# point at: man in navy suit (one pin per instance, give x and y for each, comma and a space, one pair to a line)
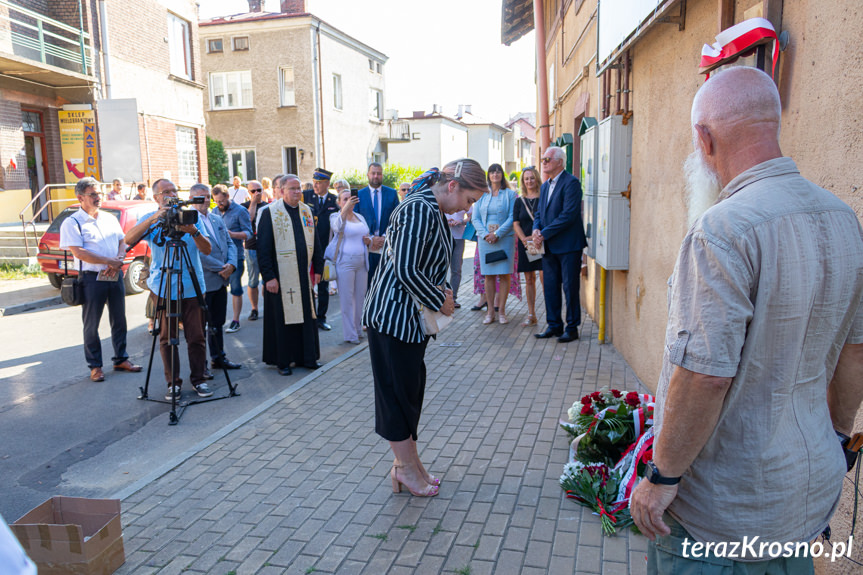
322, 203
376, 204
557, 224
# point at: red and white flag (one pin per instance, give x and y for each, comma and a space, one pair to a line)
13, 165
731, 42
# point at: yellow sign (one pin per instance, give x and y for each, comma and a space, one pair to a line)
79, 145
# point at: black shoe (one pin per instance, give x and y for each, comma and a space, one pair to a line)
253, 315
568, 337
285, 370
479, 307
324, 326
313, 366
548, 333
457, 305
233, 327
224, 363
208, 374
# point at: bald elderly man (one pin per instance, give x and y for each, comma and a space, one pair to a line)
763, 367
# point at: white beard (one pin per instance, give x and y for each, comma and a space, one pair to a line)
702, 185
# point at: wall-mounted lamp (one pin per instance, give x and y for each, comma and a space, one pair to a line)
302, 154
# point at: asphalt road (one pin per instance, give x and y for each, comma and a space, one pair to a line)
65, 435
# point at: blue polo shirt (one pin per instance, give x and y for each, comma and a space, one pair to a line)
157, 257
237, 219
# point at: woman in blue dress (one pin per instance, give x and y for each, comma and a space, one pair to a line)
492, 218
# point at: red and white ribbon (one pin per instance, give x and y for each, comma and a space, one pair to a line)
740, 38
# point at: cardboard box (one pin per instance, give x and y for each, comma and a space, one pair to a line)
73, 536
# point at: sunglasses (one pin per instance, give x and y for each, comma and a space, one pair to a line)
95, 195
546, 160
255, 191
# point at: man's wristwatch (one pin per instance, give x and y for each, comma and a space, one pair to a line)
654, 476
196, 234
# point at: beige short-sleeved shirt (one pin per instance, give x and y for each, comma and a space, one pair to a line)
767, 289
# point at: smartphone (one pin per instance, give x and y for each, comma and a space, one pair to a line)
355, 193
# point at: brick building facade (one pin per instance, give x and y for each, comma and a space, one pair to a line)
144, 83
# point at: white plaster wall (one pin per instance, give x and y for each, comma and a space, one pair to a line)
350, 134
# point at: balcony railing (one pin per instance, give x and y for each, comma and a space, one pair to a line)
36, 37
397, 131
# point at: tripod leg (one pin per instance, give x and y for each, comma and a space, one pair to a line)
203, 303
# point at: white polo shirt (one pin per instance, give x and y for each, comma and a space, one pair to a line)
100, 235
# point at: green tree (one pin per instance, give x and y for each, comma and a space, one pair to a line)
217, 161
394, 174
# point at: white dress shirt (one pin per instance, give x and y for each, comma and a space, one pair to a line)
551, 184
100, 235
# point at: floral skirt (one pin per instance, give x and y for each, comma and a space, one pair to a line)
479, 279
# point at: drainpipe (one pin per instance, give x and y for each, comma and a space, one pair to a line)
106, 60
323, 157
542, 74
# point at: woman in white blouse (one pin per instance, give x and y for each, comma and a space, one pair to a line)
348, 249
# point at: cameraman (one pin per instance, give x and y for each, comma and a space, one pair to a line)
152, 228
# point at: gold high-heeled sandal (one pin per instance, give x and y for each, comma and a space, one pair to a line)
429, 491
531, 320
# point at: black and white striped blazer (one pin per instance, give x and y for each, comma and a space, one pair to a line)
422, 247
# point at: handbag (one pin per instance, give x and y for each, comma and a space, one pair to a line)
532, 252
330, 259
495, 256
469, 233
431, 321
72, 288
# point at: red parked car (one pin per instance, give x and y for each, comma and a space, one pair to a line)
51, 257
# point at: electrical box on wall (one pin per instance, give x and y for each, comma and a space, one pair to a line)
614, 151
587, 175
612, 231
614, 160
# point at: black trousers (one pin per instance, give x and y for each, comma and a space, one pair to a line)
374, 262
96, 295
562, 270
323, 300
399, 371
217, 304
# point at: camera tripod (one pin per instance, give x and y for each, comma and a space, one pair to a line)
176, 259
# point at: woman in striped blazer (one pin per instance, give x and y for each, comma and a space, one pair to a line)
413, 272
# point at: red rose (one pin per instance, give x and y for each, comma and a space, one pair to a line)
585, 400
586, 410
596, 396
632, 399
616, 393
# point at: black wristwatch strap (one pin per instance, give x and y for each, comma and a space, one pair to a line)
196, 234
655, 477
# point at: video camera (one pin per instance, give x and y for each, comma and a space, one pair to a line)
170, 221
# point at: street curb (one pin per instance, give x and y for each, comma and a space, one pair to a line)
232, 426
30, 305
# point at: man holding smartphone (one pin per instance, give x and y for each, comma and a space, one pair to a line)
377, 203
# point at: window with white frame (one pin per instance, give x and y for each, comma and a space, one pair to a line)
230, 90
376, 104
187, 155
240, 43
286, 86
371, 65
241, 162
179, 47
289, 160
337, 91
378, 67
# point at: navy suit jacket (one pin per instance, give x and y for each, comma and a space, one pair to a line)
560, 221
389, 201
322, 215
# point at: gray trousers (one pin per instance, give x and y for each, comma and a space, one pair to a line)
455, 267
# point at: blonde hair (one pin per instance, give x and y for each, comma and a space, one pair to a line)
522, 187
267, 183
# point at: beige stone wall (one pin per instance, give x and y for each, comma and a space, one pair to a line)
819, 81
267, 127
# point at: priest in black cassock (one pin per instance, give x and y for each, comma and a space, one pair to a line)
288, 248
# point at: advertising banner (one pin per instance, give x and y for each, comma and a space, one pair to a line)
79, 144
